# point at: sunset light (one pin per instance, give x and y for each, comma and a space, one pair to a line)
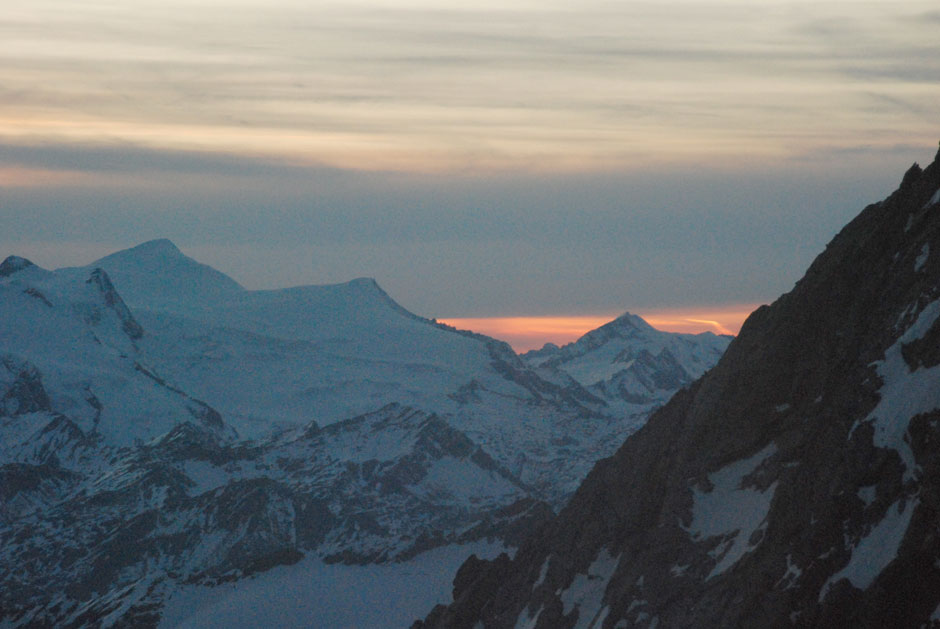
718, 319
528, 333
288, 293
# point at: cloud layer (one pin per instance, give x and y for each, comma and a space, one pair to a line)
417, 86
496, 158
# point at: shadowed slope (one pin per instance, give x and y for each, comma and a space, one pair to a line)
796, 482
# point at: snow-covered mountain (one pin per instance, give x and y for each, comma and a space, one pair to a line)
291, 355
630, 364
794, 484
70, 348
325, 353
157, 275
164, 429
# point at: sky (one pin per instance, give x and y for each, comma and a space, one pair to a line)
485, 160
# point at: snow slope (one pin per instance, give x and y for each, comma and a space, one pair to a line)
71, 346
199, 433
312, 594
630, 364
279, 358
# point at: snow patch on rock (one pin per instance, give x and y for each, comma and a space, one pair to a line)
934, 199
922, 257
730, 509
867, 494
905, 393
791, 576
872, 554
586, 591
542, 573
525, 621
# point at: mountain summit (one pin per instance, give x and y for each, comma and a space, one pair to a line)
627, 362
157, 275
12, 264
796, 483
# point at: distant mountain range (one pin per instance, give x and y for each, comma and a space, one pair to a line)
797, 483
164, 429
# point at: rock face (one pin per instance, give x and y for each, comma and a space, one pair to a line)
112, 300
798, 482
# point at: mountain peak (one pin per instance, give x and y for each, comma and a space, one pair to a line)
628, 319
13, 264
371, 285
786, 486
158, 245
160, 248
365, 282
156, 274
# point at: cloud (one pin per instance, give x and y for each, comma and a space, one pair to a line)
486, 159
125, 158
411, 86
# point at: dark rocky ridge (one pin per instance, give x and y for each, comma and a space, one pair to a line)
112, 300
793, 394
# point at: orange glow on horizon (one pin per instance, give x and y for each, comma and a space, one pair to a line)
726, 319
527, 333
23, 177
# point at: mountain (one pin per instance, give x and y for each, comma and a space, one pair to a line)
159, 450
285, 357
629, 364
120, 531
70, 352
796, 483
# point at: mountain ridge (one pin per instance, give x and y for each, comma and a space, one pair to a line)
627, 362
202, 436
795, 483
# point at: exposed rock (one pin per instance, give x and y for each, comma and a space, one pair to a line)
113, 301
795, 483
12, 264
121, 528
25, 394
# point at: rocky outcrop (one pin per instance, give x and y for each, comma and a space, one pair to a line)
98, 531
796, 483
112, 300
12, 264
24, 391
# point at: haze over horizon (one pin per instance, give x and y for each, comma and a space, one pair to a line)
550, 159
